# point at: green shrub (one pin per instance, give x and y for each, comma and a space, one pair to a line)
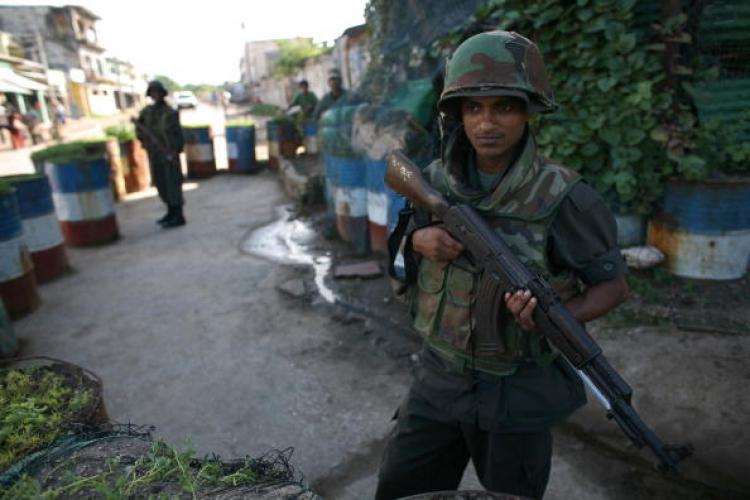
86, 149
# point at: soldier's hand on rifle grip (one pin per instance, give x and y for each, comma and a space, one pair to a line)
435, 243
521, 305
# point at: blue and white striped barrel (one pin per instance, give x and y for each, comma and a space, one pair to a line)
241, 148
41, 230
377, 205
17, 283
311, 138
83, 201
351, 202
704, 228
199, 152
331, 181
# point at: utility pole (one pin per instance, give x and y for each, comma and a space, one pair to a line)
43, 56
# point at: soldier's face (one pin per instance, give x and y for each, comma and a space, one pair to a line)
494, 125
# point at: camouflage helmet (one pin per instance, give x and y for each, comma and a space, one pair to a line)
156, 85
498, 63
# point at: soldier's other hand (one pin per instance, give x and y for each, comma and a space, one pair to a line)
435, 243
521, 305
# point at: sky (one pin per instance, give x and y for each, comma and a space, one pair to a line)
201, 41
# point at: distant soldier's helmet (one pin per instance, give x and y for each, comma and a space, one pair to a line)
156, 85
334, 73
498, 63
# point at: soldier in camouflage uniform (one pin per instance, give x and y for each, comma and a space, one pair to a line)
336, 95
495, 403
163, 140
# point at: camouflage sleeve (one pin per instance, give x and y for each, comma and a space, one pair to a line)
583, 237
175, 132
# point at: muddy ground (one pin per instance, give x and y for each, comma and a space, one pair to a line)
241, 353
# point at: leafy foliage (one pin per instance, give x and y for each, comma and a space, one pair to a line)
608, 82
36, 406
293, 54
170, 84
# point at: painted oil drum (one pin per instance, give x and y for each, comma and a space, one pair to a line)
272, 133
331, 181
631, 230
311, 138
704, 228
8, 341
83, 201
288, 139
41, 230
241, 149
377, 205
135, 168
350, 198
199, 152
17, 282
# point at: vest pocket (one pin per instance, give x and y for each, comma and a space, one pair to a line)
456, 322
430, 284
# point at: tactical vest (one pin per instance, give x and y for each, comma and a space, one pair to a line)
521, 209
156, 119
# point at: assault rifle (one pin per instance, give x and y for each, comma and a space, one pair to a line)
503, 272
153, 139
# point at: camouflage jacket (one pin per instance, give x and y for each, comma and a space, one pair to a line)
164, 122
521, 208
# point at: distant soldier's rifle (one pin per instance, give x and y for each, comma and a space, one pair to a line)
154, 140
502, 271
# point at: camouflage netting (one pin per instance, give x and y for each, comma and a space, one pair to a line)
127, 463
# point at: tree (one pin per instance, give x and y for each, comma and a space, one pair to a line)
293, 54
170, 84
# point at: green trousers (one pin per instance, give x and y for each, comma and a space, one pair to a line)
429, 452
167, 177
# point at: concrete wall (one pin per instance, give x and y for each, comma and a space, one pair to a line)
349, 55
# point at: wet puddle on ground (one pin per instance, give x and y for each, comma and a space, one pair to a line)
287, 242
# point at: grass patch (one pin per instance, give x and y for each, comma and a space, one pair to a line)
83, 150
163, 469
246, 122
265, 110
37, 405
123, 133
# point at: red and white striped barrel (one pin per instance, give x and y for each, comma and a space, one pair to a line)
17, 282
83, 201
41, 230
199, 152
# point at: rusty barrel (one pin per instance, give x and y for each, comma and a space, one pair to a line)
135, 169
41, 230
241, 148
377, 205
199, 151
17, 282
83, 200
704, 228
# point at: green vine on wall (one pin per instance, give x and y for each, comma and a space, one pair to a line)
608, 82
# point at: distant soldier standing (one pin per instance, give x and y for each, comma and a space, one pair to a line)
336, 92
495, 402
160, 132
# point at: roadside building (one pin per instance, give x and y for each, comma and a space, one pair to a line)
65, 40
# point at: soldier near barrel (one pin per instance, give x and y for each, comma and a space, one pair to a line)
335, 95
158, 128
496, 405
